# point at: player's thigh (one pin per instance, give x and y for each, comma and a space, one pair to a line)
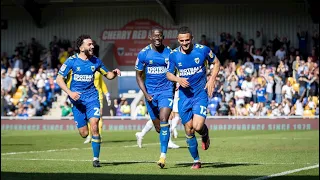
156, 123
199, 106
93, 109
79, 114
152, 109
165, 104
185, 110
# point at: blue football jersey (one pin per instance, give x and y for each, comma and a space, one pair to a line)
82, 73
154, 64
192, 66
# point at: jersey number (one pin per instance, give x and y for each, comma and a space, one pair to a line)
203, 110
171, 101
97, 111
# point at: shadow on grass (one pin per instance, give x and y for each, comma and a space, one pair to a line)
215, 165
123, 163
16, 144
96, 176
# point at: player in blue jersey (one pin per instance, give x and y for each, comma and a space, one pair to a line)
157, 89
82, 93
190, 60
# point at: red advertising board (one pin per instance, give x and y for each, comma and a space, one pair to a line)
133, 37
215, 125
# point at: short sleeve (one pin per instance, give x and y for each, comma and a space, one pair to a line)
209, 54
140, 62
171, 64
66, 67
102, 68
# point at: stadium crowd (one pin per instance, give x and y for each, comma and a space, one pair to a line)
255, 78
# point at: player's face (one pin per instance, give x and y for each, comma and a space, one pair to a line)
157, 38
185, 41
87, 47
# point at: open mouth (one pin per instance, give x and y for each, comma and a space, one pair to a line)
157, 43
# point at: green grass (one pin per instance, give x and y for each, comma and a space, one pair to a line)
232, 155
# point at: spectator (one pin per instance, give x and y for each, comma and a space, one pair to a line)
141, 109
281, 53
125, 108
278, 89
6, 82
247, 87
66, 109
31, 111
258, 39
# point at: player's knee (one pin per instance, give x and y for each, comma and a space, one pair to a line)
94, 129
198, 127
84, 133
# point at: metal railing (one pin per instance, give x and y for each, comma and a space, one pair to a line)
146, 118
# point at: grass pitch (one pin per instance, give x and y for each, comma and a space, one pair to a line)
44, 155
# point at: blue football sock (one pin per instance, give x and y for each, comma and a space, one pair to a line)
95, 142
164, 136
193, 146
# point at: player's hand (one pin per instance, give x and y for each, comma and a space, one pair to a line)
117, 71
148, 97
210, 88
183, 82
75, 95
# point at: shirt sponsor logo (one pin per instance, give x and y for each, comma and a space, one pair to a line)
83, 78
156, 70
189, 71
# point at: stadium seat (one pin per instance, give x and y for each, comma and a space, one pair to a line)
315, 99
20, 88
307, 113
291, 80
295, 87
17, 95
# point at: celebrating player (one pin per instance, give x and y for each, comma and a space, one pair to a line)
173, 121
103, 90
82, 93
190, 60
158, 91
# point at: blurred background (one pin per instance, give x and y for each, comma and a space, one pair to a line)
268, 45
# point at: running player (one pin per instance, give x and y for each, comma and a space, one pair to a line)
103, 91
191, 60
158, 91
82, 93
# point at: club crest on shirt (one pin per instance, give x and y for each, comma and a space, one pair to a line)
78, 69
179, 64
150, 61
93, 68
197, 60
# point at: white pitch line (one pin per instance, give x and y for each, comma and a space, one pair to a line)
133, 161
150, 144
50, 150
287, 172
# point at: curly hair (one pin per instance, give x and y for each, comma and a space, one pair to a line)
80, 39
